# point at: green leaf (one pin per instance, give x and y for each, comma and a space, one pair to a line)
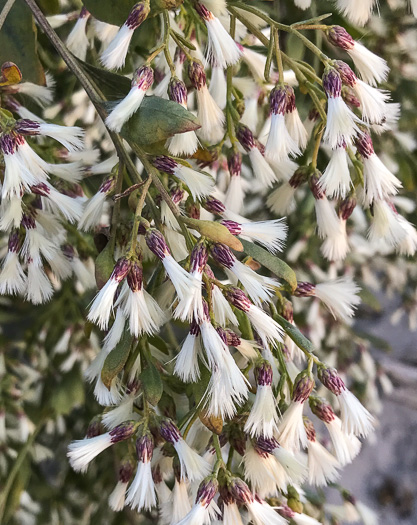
158, 119
104, 266
112, 85
69, 393
159, 343
370, 300
151, 384
117, 358
294, 333
18, 42
273, 263
110, 11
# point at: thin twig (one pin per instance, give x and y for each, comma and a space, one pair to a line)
5, 11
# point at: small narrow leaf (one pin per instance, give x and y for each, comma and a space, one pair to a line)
273, 263
294, 333
116, 360
215, 232
151, 384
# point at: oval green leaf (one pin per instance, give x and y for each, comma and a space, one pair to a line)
294, 333
117, 358
151, 384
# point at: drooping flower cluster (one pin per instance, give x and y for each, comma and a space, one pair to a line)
216, 426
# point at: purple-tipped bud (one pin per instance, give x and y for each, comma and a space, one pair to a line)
240, 491
310, 430
321, 409
223, 255
305, 289
126, 471
84, 13
238, 298
27, 127
350, 98
108, 185
300, 175
233, 339
234, 164
28, 222
214, 206
144, 447
94, 428
263, 373
222, 333
278, 100
234, 227
123, 431
135, 277
364, 145
137, 15
339, 37
177, 91
331, 380
169, 431
196, 74
290, 100
346, 208
9, 143
166, 164
120, 270
207, 491
316, 190
245, 136
332, 83
198, 258
41, 189
14, 242
203, 11
286, 512
177, 194
143, 78
264, 445
303, 386
156, 243
346, 74
194, 328
287, 311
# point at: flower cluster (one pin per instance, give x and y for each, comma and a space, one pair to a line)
204, 155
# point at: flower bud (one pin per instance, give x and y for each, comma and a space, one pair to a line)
331, 380
303, 386
339, 37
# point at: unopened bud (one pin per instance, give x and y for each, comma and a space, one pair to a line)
303, 386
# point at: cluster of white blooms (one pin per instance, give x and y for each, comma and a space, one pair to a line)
254, 411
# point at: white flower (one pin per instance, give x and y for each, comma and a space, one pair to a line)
82, 451
271, 234
141, 82
373, 102
259, 288
386, 224
372, 68
193, 466
346, 446
68, 206
123, 412
341, 125
263, 417
296, 127
186, 365
77, 41
379, 182
42, 95
102, 305
218, 86
181, 505
141, 494
115, 55
223, 312
280, 143
328, 223
38, 288
12, 276
335, 180
356, 11
322, 466
281, 200
71, 137
263, 514
222, 50
235, 194
355, 418
291, 432
118, 496
231, 514
336, 246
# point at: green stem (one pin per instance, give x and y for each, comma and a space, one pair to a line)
138, 214
278, 56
